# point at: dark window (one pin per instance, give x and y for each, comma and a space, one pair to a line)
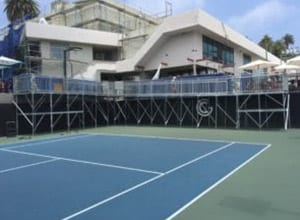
218, 52
105, 54
246, 59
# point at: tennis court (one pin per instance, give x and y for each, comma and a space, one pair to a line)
114, 176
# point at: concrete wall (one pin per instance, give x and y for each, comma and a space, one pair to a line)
79, 60
175, 50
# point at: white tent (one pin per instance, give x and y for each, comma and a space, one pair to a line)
294, 61
258, 65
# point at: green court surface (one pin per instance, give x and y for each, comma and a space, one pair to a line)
267, 188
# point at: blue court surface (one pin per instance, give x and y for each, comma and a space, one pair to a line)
102, 176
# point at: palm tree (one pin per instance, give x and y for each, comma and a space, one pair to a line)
18, 9
278, 48
288, 40
267, 43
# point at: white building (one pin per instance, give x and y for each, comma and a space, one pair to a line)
119, 42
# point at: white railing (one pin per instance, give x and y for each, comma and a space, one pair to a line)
204, 86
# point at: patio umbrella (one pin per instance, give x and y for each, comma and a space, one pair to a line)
294, 61
284, 67
258, 64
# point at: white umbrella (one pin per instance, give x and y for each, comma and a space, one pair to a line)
284, 67
258, 64
294, 61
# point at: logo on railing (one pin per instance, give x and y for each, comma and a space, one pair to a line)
203, 108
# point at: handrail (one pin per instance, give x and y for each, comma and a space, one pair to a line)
220, 85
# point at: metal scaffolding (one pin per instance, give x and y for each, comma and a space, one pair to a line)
50, 104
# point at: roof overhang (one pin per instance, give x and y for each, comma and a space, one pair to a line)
48, 32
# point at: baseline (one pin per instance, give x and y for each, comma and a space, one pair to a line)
45, 142
172, 138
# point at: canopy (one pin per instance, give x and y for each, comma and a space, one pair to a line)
258, 64
294, 61
6, 62
285, 66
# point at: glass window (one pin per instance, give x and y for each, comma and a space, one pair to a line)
217, 51
105, 54
246, 59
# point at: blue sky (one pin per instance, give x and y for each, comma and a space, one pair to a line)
252, 18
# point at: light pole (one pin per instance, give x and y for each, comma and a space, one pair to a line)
66, 51
194, 61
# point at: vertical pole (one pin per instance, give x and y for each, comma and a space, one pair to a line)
32, 116
287, 111
51, 112
65, 64
238, 122
68, 111
216, 111
259, 111
17, 116
83, 113
96, 111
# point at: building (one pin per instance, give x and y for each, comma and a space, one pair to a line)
119, 42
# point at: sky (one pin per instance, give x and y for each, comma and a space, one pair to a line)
253, 18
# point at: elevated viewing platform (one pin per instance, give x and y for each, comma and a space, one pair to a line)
167, 87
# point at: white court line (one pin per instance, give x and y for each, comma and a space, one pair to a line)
40, 139
171, 138
217, 183
26, 166
83, 162
46, 142
113, 197
146, 182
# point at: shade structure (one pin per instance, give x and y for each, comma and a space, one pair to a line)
284, 67
258, 64
294, 61
6, 62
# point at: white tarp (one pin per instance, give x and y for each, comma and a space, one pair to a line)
6, 62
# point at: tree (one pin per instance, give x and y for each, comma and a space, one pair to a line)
278, 48
266, 43
288, 40
18, 9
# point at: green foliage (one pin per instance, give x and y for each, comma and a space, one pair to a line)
17, 9
278, 47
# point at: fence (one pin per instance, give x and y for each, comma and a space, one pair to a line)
204, 86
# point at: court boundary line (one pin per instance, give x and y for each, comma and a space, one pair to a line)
147, 181
27, 166
173, 138
194, 200
113, 166
38, 138
46, 142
